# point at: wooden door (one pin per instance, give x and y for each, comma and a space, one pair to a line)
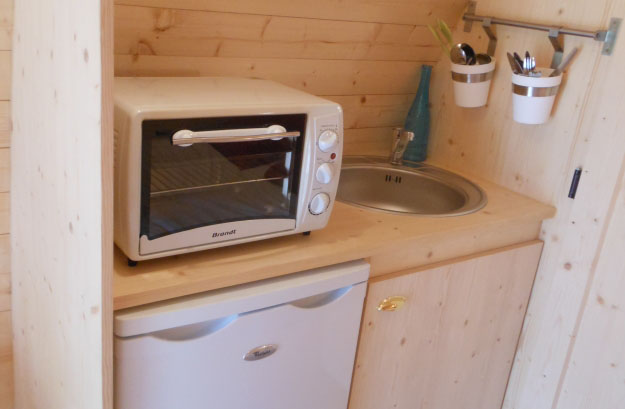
452, 344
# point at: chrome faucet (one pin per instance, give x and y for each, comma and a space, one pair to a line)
401, 138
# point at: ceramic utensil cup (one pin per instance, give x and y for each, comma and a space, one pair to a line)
533, 97
472, 83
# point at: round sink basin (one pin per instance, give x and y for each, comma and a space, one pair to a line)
412, 188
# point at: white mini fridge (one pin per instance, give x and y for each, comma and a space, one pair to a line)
283, 343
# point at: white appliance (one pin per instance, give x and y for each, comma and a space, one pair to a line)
208, 162
284, 343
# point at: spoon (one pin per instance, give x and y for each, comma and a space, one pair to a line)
463, 54
470, 53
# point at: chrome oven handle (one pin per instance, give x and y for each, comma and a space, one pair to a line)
186, 137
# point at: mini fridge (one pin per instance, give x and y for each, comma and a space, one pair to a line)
283, 343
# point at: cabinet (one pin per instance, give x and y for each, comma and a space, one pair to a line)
452, 343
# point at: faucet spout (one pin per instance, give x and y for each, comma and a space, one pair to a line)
401, 138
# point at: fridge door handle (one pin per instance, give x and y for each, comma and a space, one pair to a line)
319, 300
193, 331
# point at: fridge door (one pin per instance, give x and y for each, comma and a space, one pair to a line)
298, 354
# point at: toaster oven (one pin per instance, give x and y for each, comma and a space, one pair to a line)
205, 162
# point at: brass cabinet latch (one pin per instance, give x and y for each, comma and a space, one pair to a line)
392, 303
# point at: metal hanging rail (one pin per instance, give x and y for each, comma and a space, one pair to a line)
607, 37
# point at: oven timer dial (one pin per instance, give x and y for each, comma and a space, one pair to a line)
319, 203
328, 140
324, 173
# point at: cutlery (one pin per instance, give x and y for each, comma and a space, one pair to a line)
514, 64
463, 53
470, 53
483, 59
518, 59
565, 63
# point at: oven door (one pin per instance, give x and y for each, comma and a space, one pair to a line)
208, 180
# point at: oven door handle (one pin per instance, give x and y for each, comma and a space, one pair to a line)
186, 137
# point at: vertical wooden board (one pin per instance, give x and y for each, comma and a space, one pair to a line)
381, 11
452, 343
573, 238
539, 161
192, 33
6, 363
5, 275
5, 124
4, 212
595, 376
6, 24
56, 239
5, 75
107, 132
319, 77
5, 170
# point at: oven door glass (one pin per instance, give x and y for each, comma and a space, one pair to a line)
221, 180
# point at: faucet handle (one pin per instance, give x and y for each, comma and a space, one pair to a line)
408, 134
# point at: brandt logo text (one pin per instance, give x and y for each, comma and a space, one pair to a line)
225, 233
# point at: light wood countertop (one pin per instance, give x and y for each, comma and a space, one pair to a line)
390, 243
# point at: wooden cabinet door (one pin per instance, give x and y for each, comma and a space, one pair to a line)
452, 344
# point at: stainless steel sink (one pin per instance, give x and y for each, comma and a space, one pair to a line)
412, 188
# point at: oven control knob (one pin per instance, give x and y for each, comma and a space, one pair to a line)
319, 203
325, 173
328, 140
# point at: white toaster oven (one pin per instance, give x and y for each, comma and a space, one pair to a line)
206, 162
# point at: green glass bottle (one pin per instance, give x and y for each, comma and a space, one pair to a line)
418, 119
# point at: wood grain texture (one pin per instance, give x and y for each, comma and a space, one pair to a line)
168, 32
452, 344
381, 11
56, 239
107, 142
6, 24
5, 75
5, 203
5, 170
364, 55
6, 361
319, 77
351, 234
5, 275
367, 141
5, 124
584, 131
595, 374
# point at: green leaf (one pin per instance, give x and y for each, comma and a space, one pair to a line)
443, 45
446, 31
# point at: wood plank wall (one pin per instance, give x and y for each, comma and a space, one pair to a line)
364, 55
569, 355
61, 235
6, 361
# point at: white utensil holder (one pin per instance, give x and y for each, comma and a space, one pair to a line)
533, 97
472, 83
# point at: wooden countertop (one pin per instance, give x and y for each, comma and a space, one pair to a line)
390, 243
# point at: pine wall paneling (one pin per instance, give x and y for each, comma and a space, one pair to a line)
365, 56
586, 131
59, 192
6, 361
